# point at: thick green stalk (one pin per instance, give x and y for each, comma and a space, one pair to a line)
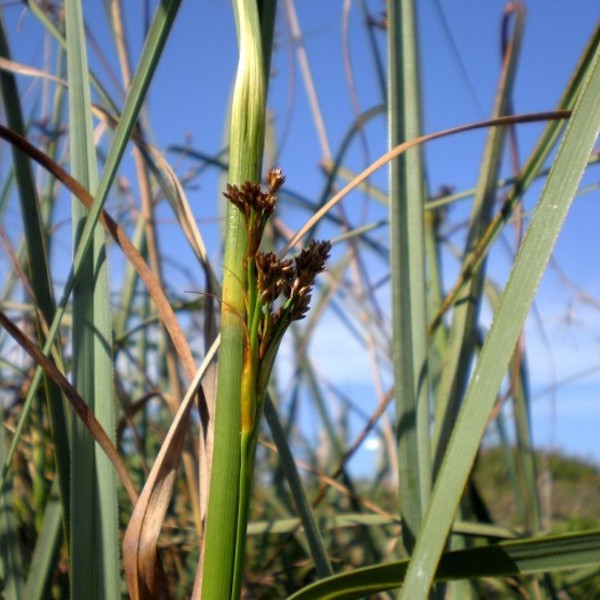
95, 571
407, 256
230, 479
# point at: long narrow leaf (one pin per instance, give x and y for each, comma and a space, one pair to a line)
407, 261
529, 556
307, 515
46, 549
94, 519
499, 345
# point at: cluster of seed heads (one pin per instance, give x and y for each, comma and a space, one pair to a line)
284, 286
291, 279
256, 205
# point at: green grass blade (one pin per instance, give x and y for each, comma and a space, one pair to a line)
332, 167
407, 258
346, 520
94, 556
130, 279
46, 551
522, 460
499, 345
153, 47
536, 555
52, 26
307, 516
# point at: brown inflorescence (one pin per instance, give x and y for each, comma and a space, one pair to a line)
288, 280
272, 275
308, 264
294, 280
256, 205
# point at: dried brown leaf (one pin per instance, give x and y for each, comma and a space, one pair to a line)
143, 570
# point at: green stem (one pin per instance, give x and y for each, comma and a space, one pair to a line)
407, 259
230, 479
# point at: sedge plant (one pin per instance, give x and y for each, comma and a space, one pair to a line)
425, 512
251, 325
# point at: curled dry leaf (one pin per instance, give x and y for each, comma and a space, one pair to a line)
143, 570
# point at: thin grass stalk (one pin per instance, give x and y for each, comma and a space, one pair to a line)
333, 439
307, 79
500, 342
46, 551
7, 184
407, 258
94, 559
433, 257
462, 337
52, 147
130, 280
366, 187
223, 551
151, 240
307, 516
49, 23
378, 65
11, 568
526, 463
520, 452
532, 169
380, 517
40, 438
508, 460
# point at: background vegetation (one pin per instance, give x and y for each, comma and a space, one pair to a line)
111, 322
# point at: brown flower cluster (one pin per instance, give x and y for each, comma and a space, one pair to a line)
292, 280
288, 283
273, 276
283, 286
255, 205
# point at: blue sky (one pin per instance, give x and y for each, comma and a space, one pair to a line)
189, 102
